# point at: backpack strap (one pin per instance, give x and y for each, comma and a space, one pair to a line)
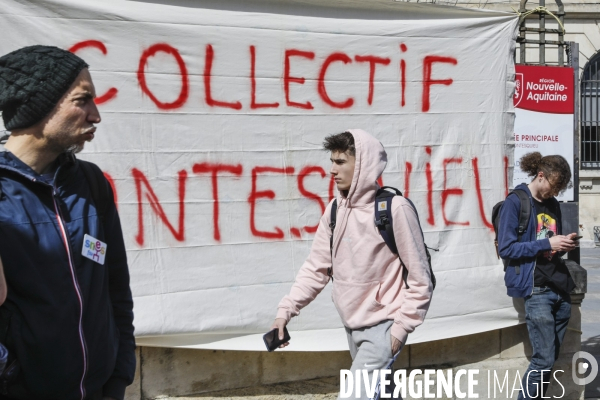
332, 219
525, 213
524, 216
384, 222
98, 186
383, 217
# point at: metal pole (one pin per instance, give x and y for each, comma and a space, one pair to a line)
522, 34
542, 60
561, 35
574, 56
576, 129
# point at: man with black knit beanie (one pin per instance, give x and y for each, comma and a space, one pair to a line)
68, 317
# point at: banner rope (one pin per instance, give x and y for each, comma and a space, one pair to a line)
542, 10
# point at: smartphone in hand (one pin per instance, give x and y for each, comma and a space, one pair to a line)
576, 238
272, 341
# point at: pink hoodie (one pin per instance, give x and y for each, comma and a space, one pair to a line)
368, 286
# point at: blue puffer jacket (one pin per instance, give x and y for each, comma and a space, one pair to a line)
67, 319
522, 255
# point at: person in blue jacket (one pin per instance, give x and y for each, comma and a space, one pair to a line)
68, 318
535, 270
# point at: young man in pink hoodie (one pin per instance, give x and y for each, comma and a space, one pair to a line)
377, 308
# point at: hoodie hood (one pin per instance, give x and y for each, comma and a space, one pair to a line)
371, 160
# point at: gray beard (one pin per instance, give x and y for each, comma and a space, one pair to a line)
58, 147
74, 149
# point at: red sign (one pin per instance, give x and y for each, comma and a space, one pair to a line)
544, 89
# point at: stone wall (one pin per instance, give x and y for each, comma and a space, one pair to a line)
589, 202
183, 372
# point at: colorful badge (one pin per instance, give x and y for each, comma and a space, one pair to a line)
93, 249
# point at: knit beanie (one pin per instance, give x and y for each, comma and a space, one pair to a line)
32, 81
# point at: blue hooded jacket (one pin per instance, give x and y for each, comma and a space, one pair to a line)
522, 255
67, 319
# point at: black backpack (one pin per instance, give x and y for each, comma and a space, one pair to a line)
525, 214
384, 222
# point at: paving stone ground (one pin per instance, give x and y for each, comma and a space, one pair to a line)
314, 389
590, 315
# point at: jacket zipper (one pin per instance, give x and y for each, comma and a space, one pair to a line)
77, 291
533, 277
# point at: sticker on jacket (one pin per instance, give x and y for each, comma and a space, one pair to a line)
93, 249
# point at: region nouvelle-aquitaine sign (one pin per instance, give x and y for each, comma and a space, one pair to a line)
544, 107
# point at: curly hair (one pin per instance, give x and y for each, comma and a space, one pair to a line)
555, 168
342, 142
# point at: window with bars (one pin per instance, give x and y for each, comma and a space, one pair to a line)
590, 114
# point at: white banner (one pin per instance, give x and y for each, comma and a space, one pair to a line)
213, 118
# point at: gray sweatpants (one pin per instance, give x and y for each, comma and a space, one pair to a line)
371, 349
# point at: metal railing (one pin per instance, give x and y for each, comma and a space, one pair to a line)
590, 115
541, 31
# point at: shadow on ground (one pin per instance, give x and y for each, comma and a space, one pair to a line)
592, 346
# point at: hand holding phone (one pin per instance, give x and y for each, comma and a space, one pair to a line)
575, 238
272, 340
